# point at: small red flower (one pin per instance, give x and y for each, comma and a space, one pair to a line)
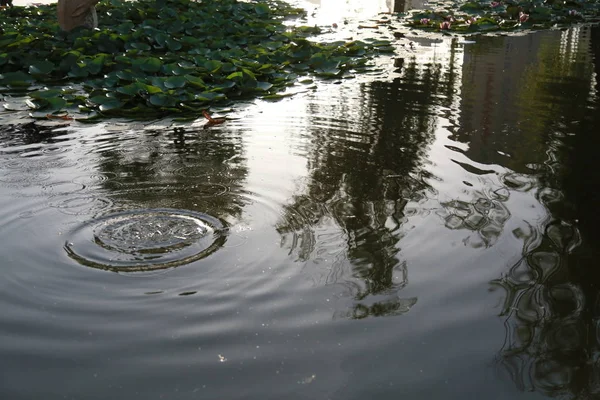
523, 17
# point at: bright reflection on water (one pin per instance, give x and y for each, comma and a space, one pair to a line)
426, 233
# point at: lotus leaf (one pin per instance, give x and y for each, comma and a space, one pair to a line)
41, 68
175, 82
263, 86
17, 78
147, 64
45, 94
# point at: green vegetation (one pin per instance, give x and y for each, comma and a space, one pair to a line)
507, 15
152, 58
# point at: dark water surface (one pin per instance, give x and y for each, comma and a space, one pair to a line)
430, 233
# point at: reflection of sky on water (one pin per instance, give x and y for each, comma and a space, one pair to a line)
342, 8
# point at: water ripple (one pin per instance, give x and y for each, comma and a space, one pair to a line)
145, 240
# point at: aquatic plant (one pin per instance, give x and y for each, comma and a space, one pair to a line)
152, 58
479, 16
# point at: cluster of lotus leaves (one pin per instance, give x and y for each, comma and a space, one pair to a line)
152, 58
482, 16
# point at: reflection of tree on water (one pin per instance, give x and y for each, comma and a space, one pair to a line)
29, 133
363, 173
551, 305
180, 170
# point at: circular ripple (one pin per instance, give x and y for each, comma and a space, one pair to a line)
24, 178
62, 188
81, 205
95, 178
145, 240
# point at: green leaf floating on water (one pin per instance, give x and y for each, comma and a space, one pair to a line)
140, 46
173, 44
162, 100
17, 78
41, 68
112, 104
152, 58
262, 9
236, 76
45, 94
54, 103
147, 64
212, 66
138, 89
195, 81
210, 96
264, 86
94, 65
175, 82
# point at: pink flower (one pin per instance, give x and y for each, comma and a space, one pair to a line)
495, 4
424, 21
445, 25
523, 17
574, 13
471, 20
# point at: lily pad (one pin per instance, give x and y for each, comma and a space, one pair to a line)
110, 105
16, 79
210, 96
45, 94
162, 100
147, 64
263, 86
41, 68
175, 82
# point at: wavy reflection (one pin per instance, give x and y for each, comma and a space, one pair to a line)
365, 167
544, 94
486, 215
183, 168
142, 169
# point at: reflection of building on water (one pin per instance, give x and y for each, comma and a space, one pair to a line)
367, 163
501, 105
520, 98
405, 5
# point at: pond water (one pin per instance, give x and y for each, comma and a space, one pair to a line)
426, 231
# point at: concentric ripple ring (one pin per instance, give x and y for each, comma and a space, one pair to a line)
145, 240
